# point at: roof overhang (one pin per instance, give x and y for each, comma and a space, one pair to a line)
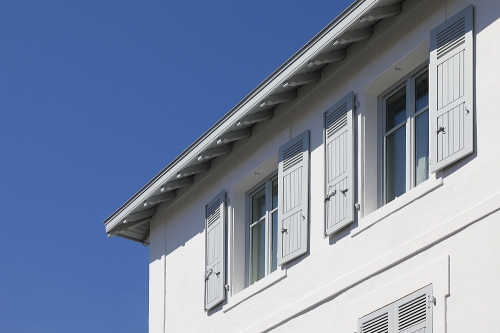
354, 25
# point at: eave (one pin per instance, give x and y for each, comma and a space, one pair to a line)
355, 25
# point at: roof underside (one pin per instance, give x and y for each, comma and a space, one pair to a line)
330, 47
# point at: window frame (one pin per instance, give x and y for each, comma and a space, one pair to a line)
249, 224
407, 83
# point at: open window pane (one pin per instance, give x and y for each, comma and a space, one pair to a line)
258, 205
275, 194
396, 164
274, 235
422, 91
258, 251
396, 109
263, 225
421, 147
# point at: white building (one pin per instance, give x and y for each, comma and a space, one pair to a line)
355, 190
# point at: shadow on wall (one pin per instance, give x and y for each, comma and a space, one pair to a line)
177, 234
173, 232
483, 18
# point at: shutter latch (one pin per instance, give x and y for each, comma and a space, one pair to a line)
328, 195
283, 230
440, 129
208, 274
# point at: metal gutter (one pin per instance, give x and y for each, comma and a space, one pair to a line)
246, 101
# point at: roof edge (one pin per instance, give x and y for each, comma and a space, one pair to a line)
343, 20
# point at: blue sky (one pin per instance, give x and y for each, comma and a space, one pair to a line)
96, 97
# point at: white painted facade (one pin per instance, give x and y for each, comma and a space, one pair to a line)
444, 232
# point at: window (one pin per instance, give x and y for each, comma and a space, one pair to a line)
269, 218
405, 112
410, 314
263, 229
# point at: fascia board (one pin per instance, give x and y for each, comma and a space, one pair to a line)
325, 37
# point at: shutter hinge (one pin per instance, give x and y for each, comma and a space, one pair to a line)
226, 286
431, 300
227, 200
357, 206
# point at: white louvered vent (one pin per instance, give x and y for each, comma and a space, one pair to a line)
213, 212
336, 120
293, 155
411, 313
450, 38
378, 324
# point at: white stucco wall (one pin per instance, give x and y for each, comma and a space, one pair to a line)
430, 239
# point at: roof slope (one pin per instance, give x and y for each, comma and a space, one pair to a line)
327, 48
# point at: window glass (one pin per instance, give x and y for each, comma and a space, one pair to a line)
422, 92
275, 193
396, 109
406, 135
259, 205
396, 164
274, 232
422, 147
258, 251
263, 230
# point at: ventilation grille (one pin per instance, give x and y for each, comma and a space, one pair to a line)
336, 120
213, 212
378, 324
293, 155
451, 37
411, 313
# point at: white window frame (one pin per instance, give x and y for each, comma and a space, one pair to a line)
408, 83
267, 184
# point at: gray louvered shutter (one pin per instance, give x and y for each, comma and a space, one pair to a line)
339, 165
215, 235
413, 313
380, 321
451, 90
293, 198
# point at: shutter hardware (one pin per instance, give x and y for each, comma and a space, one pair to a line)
283, 230
327, 196
440, 129
208, 274
430, 300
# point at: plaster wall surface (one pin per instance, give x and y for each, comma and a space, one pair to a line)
177, 230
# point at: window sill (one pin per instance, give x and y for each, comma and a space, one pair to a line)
428, 186
255, 288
